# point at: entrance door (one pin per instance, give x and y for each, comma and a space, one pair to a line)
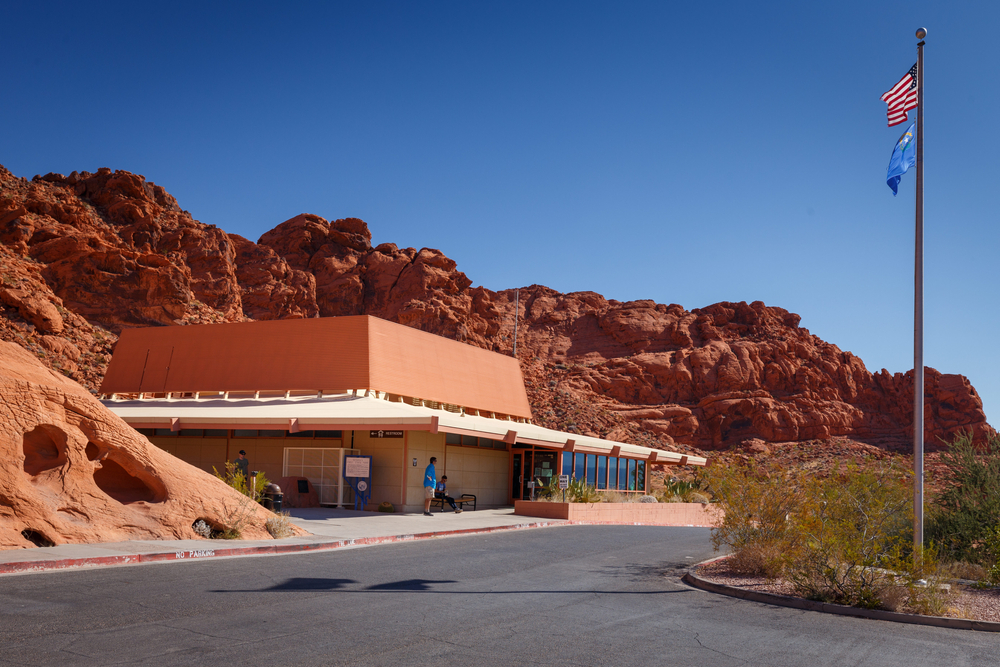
515, 483
526, 476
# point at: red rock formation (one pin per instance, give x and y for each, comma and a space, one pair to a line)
107, 250
71, 471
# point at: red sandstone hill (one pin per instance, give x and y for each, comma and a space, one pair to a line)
85, 255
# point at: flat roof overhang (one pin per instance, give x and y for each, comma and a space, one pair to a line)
346, 412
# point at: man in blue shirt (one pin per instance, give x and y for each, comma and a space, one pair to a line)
430, 483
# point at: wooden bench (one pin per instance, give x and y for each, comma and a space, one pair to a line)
459, 502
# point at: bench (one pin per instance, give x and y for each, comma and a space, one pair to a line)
466, 498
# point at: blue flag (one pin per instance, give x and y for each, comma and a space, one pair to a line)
903, 157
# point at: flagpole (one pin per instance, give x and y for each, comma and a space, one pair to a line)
918, 315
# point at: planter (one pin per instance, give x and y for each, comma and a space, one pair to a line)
648, 514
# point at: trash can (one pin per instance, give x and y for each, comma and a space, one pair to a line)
272, 497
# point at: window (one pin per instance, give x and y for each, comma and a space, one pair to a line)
244, 434
452, 439
329, 434
591, 469
301, 434
146, 431
612, 472
163, 431
622, 474
631, 474
602, 472
273, 434
640, 479
567, 468
216, 433
580, 469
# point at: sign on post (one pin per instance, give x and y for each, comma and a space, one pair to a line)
563, 482
358, 473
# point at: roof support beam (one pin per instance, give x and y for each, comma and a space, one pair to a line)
175, 424
293, 426
569, 446
511, 437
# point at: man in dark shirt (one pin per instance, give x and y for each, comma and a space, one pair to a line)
441, 492
243, 465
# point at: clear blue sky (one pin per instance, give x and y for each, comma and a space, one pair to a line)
684, 152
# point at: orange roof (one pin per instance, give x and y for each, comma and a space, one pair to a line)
329, 354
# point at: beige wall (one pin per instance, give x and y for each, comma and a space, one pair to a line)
264, 454
387, 467
481, 472
421, 445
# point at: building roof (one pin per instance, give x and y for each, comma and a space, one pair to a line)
359, 412
332, 355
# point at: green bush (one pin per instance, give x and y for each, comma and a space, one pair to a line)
756, 501
852, 536
233, 477
962, 516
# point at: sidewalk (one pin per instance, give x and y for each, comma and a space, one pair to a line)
330, 528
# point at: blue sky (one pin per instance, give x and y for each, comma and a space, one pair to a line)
684, 152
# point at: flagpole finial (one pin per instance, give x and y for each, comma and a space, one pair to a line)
921, 33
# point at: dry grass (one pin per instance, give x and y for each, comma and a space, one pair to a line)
279, 525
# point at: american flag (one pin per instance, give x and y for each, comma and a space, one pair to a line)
902, 97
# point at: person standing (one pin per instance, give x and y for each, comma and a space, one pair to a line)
243, 466
441, 491
430, 483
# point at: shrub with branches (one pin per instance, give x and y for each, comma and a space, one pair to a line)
963, 515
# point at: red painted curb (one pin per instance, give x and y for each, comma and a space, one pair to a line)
276, 549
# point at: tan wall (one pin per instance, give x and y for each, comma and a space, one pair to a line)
387, 467
481, 472
421, 445
264, 454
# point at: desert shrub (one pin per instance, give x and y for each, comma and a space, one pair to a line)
279, 525
581, 492
233, 477
756, 501
962, 515
758, 560
851, 529
201, 527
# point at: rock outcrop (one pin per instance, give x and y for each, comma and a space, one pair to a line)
87, 254
72, 472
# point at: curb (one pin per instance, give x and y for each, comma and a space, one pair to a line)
269, 550
840, 610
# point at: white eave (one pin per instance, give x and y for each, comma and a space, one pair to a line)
353, 413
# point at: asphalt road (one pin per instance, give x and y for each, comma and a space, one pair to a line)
577, 595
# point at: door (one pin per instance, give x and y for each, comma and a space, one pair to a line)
526, 476
515, 483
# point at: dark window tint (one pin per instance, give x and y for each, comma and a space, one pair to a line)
164, 431
216, 433
452, 439
272, 434
329, 434
602, 472
245, 434
301, 434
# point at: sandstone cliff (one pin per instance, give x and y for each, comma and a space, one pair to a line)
87, 254
71, 471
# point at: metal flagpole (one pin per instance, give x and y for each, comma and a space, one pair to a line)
918, 316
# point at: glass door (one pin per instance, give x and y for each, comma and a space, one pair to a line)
525, 491
515, 484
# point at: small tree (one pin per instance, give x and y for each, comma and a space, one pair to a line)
968, 509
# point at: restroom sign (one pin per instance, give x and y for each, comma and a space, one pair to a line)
385, 434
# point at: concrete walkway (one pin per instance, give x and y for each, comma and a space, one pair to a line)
330, 528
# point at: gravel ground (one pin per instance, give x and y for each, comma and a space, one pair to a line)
965, 602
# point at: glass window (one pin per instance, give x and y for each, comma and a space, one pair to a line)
216, 433
640, 480
631, 474
300, 434
602, 472
196, 432
580, 470
329, 434
272, 434
485, 442
622, 474
147, 431
591, 469
500, 444
452, 439
470, 440
612, 472
244, 434
567, 468
163, 431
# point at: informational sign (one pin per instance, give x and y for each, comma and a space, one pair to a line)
385, 434
563, 481
357, 466
358, 473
